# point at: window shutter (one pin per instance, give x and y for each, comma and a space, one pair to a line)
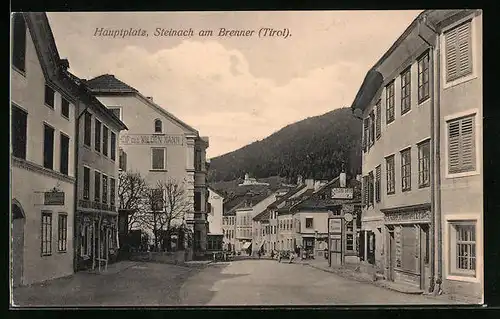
454, 146
467, 144
464, 48
378, 119
458, 44
365, 134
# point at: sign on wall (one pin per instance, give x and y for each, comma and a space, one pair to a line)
147, 139
420, 216
342, 193
54, 198
335, 225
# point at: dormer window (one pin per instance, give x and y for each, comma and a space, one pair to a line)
158, 126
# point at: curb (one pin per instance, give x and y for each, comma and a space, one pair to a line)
359, 279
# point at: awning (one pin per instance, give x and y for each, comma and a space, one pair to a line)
246, 245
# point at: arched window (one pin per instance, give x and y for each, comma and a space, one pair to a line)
158, 126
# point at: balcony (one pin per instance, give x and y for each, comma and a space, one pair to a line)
85, 203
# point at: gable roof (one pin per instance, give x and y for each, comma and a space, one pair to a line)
108, 84
215, 191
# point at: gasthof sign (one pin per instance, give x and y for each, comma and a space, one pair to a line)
335, 225
342, 193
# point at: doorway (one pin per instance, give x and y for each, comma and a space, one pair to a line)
18, 221
392, 254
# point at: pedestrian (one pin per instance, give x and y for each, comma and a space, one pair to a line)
292, 257
272, 254
279, 256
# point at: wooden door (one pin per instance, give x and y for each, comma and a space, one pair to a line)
392, 254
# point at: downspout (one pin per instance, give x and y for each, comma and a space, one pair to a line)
77, 139
435, 172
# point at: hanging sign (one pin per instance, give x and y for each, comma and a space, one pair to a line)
54, 198
335, 225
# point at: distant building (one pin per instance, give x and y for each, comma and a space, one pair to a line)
42, 154
214, 218
251, 181
421, 106
161, 147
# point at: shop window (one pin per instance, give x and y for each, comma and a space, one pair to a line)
46, 237
62, 233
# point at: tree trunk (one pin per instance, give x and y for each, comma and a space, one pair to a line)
155, 232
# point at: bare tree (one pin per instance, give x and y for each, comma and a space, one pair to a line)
166, 202
132, 188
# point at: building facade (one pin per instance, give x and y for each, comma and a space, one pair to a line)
96, 216
215, 236
160, 147
42, 154
229, 231
423, 222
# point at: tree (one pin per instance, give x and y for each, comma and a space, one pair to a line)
132, 189
166, 202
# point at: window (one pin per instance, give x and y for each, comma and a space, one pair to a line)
458, 51
423, 77
463, 248
390, 177
157, 199
86, 183
366, 130
309, 222
122, 160
87, 127
62, 232
97, 135
406, 169
64, 154
112, 191
158, 126
197, 160
406, 91
389, 102
104, 189
64, 107
105, 138
423, 164
197, 202
378, 174
86, 240
350, 239
372, 128
158, 158
19, 42
46, 233
117, 112
378, 118
113, 146
48, 147
19, 131
461, 145
49, 96
370, 188
97, 186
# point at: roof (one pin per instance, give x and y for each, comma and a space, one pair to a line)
107, 83
289, 204
90, 98
215, 191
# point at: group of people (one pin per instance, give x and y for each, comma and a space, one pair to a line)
290, 254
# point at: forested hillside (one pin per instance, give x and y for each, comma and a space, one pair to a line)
314, 148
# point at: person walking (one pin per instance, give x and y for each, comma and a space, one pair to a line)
258, 254
279, 256
292, 257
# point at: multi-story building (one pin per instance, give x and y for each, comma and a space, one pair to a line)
214, 218
229, 229
42, 152
96, 215
160, 147
421, 106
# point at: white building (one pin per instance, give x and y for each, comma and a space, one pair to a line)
42, 154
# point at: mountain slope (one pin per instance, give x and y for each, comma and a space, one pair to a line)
314, 148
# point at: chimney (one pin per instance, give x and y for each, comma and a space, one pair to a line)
149, 98
64, 64
310, 183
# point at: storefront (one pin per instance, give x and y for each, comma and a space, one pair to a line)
408, 245
96, 240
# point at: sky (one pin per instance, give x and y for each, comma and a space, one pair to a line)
235, 90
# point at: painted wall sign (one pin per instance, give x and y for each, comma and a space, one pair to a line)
421, 215
147, 139
54, 198
335, 225
342, 193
